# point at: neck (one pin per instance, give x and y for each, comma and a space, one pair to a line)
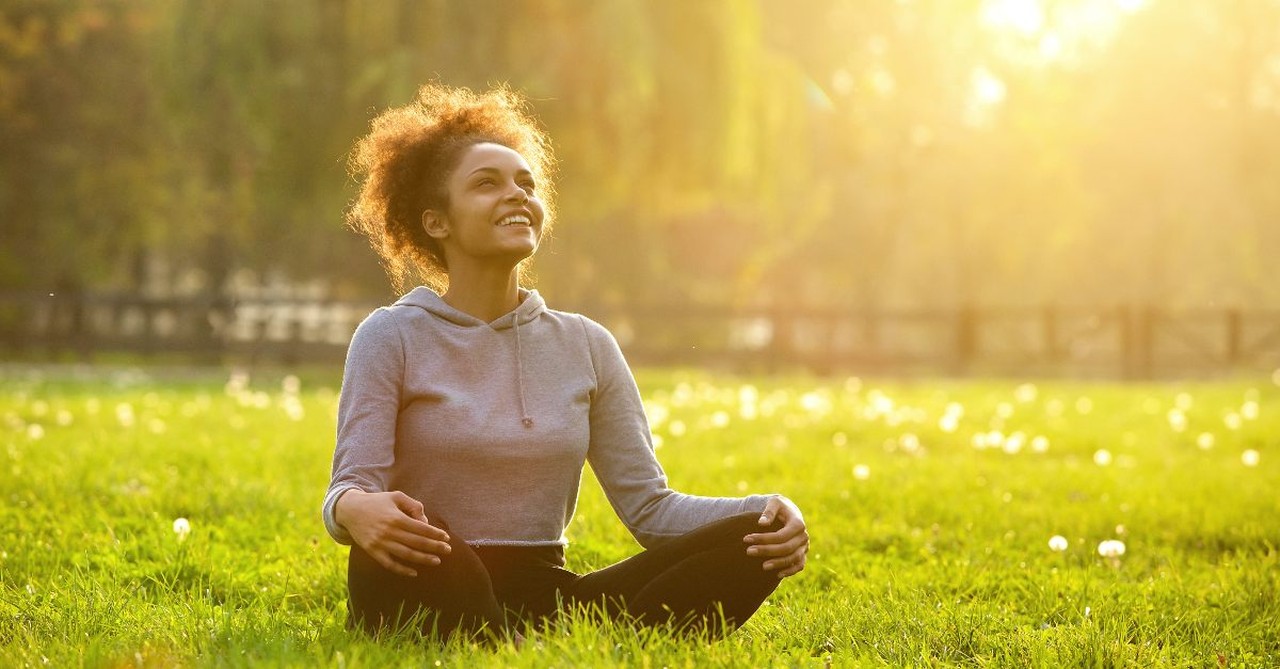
481, 292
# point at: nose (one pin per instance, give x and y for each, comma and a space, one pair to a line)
518, 194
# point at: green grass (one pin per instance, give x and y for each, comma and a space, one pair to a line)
938, 557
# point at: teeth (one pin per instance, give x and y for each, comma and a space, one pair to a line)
515, 219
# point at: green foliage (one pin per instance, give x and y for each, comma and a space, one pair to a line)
927, 550
836, 151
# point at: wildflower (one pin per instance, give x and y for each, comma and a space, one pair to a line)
1205, 440
1025, 393
861, 472
676, 428
291, 385
1057, 543
181, 527
1102, 457
35, 431
1177, 420
125, 415
238, 382
720, 419
1111, 548
1040, 444
64, 417
1232, 420
1249, 410
1250, 458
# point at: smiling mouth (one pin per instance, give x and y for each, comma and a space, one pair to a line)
515, 219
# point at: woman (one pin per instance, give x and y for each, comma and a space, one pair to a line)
469, 408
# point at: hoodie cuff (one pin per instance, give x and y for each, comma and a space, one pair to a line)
338, 532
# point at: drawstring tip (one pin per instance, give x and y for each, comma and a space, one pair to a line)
528, 422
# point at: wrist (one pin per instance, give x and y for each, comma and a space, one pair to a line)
342, 506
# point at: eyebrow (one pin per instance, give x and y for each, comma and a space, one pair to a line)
477, 170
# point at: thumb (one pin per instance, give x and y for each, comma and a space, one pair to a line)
770, 512
410, 506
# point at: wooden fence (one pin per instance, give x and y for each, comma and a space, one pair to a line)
1113, 341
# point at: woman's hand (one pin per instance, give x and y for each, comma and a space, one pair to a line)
785, 548
392, 528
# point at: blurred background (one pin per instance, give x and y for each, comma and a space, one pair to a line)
954, 185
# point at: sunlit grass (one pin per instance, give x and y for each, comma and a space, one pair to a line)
174, 521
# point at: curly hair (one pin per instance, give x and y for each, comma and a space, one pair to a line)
405, 160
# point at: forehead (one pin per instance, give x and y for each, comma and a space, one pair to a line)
491, 156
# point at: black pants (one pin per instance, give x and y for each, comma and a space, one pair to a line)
701, 582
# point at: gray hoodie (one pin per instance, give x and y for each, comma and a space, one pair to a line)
489, 425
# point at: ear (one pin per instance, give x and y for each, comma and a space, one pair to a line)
436, 225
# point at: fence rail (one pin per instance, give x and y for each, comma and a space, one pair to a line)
1132, 342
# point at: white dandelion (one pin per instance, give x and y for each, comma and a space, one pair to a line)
125, 415
1102, 457
1205, 440
1057, 543
861, 472
1111, 548
181, 527
291, 385
1250, 458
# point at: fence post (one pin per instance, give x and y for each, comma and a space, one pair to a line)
966, 337
1125, 329
1049, 332
1235, 327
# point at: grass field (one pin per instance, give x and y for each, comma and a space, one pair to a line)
931, 506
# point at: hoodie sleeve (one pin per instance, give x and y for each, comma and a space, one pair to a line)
368, 407
622, 456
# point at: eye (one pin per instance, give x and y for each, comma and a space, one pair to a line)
529, 186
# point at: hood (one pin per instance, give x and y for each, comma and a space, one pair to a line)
531, 305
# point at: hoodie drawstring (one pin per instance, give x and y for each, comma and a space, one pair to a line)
525, 418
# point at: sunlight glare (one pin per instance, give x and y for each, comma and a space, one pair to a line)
1024, 16
988, 89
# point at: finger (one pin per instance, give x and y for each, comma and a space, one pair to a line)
781, 535
404, 554
383, 558
421, 544
410, 506
420, 528
791, 560
775, 550
770, 511
791, 571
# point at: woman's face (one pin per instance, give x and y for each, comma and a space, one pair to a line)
494, 214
